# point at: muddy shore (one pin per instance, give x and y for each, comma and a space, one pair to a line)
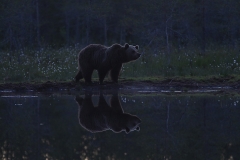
184, 84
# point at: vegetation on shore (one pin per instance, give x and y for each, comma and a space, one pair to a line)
61, 65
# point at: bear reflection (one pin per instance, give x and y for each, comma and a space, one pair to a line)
105, 117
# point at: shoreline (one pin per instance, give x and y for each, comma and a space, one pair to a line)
148, 85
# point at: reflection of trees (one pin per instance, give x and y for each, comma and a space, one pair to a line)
15, 118
173, 127
188, 127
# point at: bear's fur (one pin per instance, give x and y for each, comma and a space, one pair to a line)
104, 59
105, 117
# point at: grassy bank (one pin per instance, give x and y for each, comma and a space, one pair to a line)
61, 64
185, 63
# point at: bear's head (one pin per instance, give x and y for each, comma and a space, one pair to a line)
126, 122
132, 123
131, 52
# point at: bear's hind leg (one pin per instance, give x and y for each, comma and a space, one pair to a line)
78, 76
87, 75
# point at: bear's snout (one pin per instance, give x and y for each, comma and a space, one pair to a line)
137, 55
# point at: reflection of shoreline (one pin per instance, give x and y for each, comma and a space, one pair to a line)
105, 117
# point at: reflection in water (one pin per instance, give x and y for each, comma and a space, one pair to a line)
104, 116
174, 126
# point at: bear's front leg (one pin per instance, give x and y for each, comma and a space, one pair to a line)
114, 73
101, 74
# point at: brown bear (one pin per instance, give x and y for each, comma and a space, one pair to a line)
104, 59
105, 117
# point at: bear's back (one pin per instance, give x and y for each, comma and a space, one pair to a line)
93, 54
92, 49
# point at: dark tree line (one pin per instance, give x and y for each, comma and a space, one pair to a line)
153, 23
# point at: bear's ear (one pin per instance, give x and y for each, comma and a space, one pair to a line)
137, 47
126, 45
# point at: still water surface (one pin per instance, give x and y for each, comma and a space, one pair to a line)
113, 125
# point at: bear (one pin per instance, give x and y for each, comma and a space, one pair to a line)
105, 117
104, 59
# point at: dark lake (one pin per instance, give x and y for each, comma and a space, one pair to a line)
116, 125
